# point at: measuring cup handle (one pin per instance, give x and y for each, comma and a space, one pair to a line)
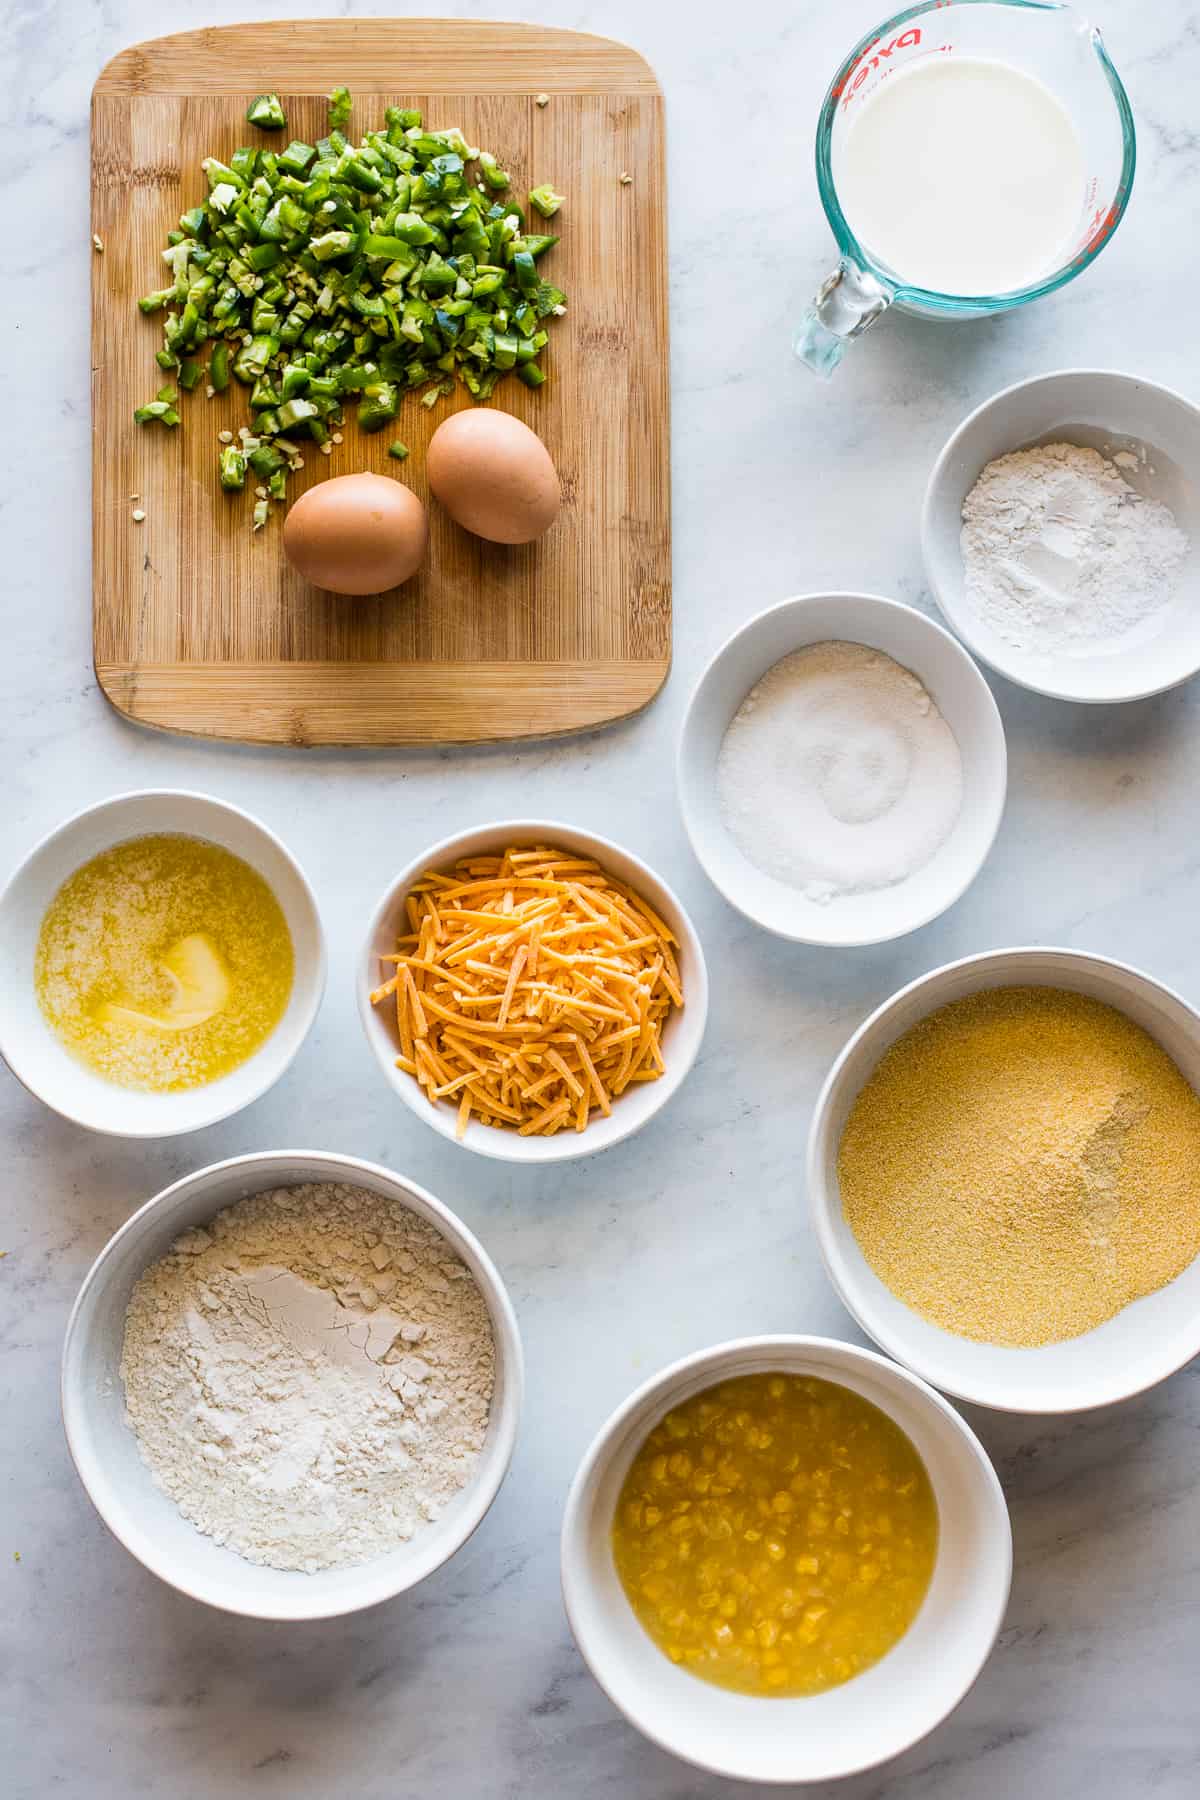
848, 300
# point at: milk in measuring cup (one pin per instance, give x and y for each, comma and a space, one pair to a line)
964, 175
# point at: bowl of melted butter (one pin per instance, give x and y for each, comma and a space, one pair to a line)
165, 962
786, 1559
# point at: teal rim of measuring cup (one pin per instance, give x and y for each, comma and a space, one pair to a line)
966, 304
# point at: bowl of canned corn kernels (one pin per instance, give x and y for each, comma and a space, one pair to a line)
785, 1559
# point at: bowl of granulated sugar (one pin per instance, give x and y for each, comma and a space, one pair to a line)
1061, 535
842, 769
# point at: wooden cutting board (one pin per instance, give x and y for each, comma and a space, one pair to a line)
199, 625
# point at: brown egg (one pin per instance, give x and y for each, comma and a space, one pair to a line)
494, 476
356, 534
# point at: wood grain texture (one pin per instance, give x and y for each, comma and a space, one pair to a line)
199, 625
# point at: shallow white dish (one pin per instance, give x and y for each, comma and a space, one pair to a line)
120, 1485
961, 695
880, 1712
1143, 1344
681, 1035
1103, 410
27, 1043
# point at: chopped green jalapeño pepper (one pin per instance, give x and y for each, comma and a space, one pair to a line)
546, 200
316, 272
266, 111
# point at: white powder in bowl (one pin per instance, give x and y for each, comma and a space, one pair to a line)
838, 775
309, 1378
1061, 554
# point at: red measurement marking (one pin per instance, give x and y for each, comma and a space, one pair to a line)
875, 53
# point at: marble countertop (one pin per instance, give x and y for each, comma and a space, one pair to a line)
113, 1686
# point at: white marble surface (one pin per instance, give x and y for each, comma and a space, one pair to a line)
111, 1685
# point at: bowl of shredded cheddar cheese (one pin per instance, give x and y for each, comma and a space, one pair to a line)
532, 991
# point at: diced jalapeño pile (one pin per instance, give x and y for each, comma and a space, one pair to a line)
329, 272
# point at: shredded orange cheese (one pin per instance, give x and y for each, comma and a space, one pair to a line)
531, 989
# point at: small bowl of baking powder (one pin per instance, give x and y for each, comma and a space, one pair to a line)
1061, 535
291, 1384
842, 769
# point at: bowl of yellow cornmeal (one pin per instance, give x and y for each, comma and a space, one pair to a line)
785, 1559
1004, 1179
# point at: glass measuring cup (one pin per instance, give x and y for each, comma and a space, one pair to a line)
1043, 38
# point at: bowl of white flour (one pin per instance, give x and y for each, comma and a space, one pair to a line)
291, 1384
1061, 535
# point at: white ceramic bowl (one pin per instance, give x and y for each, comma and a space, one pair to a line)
120, 1485
965, 702
1101, 410
880, 1712
29, 1046
681, 1034
1143, 1344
